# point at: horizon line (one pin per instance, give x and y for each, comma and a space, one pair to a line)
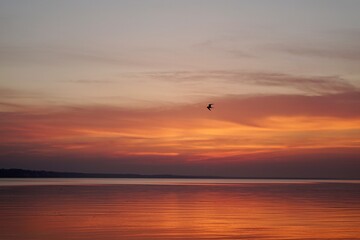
31, 173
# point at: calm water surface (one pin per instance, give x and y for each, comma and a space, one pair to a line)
178, 209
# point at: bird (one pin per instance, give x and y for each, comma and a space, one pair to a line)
210, 106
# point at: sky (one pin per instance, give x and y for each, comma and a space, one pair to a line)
122, 87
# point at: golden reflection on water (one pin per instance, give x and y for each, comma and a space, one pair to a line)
243, 210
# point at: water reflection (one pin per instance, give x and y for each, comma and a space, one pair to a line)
236, 210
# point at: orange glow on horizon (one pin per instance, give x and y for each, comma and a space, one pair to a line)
196, 138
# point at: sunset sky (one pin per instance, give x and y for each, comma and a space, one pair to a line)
122, 87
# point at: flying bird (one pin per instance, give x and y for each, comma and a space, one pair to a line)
210, 106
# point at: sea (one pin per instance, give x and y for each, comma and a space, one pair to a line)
111, 209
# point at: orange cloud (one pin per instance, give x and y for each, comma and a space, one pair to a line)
240, 129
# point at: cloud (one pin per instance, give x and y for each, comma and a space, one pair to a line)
11, 105
238, 109
15, 99
316, 84
6, 93
341, 105
347, 54
109, 121
240, 130
90, 81
310, 84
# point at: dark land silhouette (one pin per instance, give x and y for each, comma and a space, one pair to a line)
24, 173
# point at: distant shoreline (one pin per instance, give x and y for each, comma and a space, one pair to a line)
24, 173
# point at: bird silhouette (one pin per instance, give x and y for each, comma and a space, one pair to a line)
210, 106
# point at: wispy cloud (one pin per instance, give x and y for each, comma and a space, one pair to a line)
311, 84
14, 93
347, 54
317, 84
12, 99
7, 95
253, 109
90, 81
